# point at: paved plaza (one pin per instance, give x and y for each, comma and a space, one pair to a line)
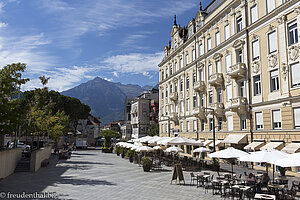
93, 175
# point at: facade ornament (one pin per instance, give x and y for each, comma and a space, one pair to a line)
256, 67
253, 2
273, 60
281, 20
217, 56
293, 53
254, 37
238, 44
238, 13
271, 28
227, 52
297, 11
284, 70
228, 78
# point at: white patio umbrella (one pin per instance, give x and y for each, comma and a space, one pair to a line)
291, 160
152, 141
229, 153
183, 141
145, 139
264, 156
174, 150
164, 141
119, 143
136, 145
201, 149
157, 148
144, 149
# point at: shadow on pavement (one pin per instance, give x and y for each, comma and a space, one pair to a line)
84, 162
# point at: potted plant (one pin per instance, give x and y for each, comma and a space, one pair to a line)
123, 152
147, 164
118, 150
108, 135
129, 155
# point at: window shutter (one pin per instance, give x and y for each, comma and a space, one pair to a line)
272, 41
295, 73
228, 62
230, 123
297, 117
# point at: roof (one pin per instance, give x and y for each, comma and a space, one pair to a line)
236, 139
217, 143
213, 6
292, 148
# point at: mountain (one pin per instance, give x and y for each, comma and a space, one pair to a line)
105, 98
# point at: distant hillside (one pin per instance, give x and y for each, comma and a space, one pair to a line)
105, 98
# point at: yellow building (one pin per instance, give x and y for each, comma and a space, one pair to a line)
241, 59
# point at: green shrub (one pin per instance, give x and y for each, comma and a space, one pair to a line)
129, 153
146, 161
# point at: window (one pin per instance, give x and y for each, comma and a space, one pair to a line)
181, 85
187, 82
181, 106
176, 67
270, 5
257, 85
162, 94
242, 88
239, 24
193, 55
293, 33
295, 74
202, 74
209, 69
274, 80
167, 108
181, 62
240, 56
201, 100
208, 44
218, 67
162, 128
195, 125
259, 120
276, 119
171, 88
201, 49
228, 62
255, 50
194, 78
195, 102
210, 97
162, 75
181, 126
187, 126
243, 122
217, 38
167, 73
171, 70
210, 124
272, 39
220, 124
187, 59
202, 124
227, 31
254, 14
187, 104
297, 118
219, 95
228, 92
230, 123
166, 92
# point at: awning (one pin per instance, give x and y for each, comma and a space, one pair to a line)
254, 145
293, 147
206, 142
218, 143
236, 139
273, 145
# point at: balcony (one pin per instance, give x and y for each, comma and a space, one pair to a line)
174, 118
216, 79
174, 96
219, 108
199, 86
199, 112
238, 104
237, 71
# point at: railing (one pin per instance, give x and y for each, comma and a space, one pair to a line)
216, 79
199, 86
237, 71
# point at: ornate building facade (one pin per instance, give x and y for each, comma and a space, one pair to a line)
241, 59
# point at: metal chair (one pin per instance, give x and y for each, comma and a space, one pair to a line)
193, 178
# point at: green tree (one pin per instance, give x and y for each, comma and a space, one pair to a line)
153, 130
108, 135
10, 83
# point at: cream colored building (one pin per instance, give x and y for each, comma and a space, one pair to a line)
240, 58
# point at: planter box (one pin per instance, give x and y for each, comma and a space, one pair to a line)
107, 150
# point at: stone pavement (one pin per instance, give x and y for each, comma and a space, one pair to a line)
94, 175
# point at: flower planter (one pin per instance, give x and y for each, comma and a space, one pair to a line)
146, 168
107, 150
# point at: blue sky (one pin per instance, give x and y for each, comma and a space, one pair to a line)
73, 41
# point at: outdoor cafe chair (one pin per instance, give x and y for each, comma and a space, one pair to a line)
193, 178
208, 184
216, 188
220, 176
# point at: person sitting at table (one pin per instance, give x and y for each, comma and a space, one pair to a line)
265, 180
251, 179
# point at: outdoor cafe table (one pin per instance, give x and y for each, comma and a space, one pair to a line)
201, 178
241, 189
222, 183
264, 196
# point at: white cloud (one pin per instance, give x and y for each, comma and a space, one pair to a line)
116, 74
135, 63
3, 24
108, 79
